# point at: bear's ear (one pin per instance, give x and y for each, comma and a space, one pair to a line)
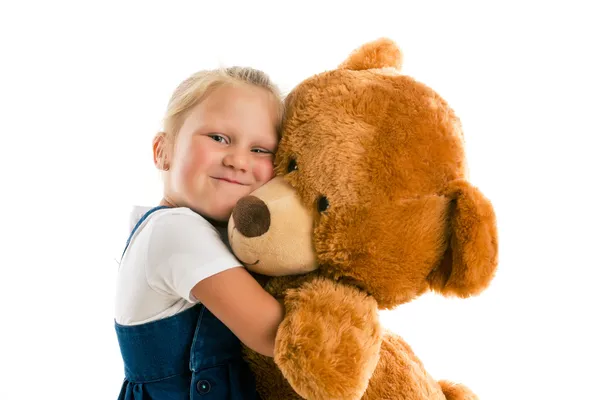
472, 255
380, 53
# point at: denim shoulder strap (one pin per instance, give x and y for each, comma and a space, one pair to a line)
146, 215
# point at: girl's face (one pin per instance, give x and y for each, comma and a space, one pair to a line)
223, 151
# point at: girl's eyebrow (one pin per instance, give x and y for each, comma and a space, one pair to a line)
267, 143
272, 147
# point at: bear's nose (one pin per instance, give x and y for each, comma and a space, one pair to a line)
251, 216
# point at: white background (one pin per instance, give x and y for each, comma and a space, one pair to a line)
82, 90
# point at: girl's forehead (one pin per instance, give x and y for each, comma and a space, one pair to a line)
248, 112
236, 101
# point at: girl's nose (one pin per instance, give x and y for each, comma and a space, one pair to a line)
237, 160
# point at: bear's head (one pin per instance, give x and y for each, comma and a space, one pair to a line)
371, 188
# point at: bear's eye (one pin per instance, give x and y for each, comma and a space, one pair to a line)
322, 204
292, 166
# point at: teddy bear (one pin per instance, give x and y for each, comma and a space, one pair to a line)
371, 207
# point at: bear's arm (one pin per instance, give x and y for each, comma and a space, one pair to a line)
327, 346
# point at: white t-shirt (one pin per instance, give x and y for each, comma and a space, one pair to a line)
170, 252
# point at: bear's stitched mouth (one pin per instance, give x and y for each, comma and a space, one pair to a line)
254, 263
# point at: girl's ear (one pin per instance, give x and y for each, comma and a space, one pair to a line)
160, 150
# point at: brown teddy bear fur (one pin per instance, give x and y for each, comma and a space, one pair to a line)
374, 162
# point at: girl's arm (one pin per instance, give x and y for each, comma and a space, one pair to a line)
238, 300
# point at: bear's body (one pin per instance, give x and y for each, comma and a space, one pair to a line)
370, 209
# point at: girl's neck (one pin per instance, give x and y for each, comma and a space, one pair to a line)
167, 202
217, 224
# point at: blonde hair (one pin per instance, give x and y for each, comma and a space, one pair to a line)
198, 86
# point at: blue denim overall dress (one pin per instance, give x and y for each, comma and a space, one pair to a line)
191, 355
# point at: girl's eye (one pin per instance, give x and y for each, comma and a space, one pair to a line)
261, 151
218, 138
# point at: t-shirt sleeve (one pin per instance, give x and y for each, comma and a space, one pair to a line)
183, 250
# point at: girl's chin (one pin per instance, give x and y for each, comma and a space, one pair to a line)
222, 214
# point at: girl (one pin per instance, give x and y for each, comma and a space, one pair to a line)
184, 302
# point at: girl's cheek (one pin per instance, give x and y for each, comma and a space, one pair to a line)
264, 170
